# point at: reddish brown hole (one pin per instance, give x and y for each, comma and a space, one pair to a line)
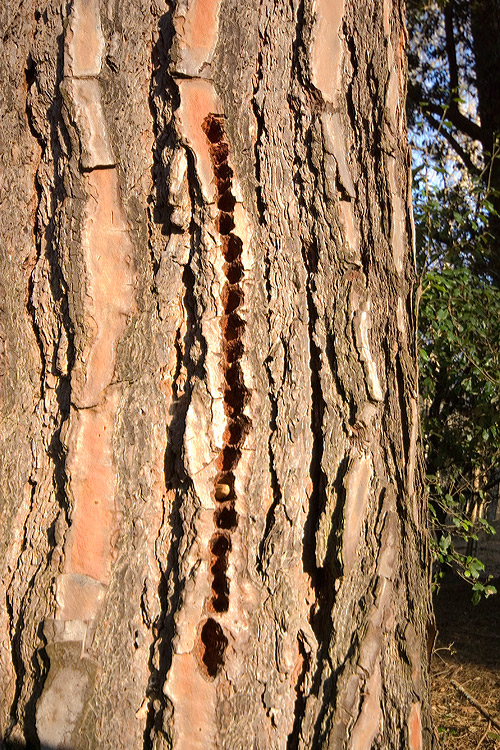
223, 172
222, 186
220, 582
232, 248
226, 202
231, 298
233, 375
214, 645
213, 128
236, 432
219, 545
220, 589
226, 223
233, 434
234, 272
232, 350
220, 602
228, 458
219, 153
219, 565
235, 400
226, 517
232, 327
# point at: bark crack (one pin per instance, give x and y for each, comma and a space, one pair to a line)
259, 119
48, 309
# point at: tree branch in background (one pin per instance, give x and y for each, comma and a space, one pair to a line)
459, 150
451, 51
460, 121
450, 110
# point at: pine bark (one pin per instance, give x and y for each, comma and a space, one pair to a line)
213, 525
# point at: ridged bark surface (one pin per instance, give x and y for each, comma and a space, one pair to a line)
213, 529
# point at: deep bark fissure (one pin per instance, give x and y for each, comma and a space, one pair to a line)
31, 673
187, 368
16, 612
273, 399
259, 119
177, 479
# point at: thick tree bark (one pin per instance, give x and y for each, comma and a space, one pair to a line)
213, 528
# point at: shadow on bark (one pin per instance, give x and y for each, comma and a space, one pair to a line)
51, 140
190, 354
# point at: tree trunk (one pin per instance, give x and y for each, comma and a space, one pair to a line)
485, 27
213, 527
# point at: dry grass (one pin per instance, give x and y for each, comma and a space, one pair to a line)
467, 652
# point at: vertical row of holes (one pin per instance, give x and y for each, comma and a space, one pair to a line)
213, 640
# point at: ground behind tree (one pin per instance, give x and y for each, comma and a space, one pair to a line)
467, 654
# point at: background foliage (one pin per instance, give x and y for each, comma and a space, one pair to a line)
457, 216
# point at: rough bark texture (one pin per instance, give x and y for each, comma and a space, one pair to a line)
213, 532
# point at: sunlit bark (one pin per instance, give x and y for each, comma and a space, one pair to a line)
213, 532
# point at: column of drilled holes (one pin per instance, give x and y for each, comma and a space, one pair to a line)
213, 640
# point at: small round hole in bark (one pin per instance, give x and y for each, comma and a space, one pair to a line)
222, 186
232, 248
235, 399
219, 545
236, 431
226, 202
233, 434
232, 327
226, 223
213, 128
234, 272
214, 644
228, 458
226, 517
223, 172
233, 375
232, 351
218, 565
219, 153
220, 589
232, 298
220, 603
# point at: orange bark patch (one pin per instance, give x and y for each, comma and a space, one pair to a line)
327, 49
188, 688
91, 472
415, 728
84, 47
198, 99
357, 486
110, 281
196, 34
202, 23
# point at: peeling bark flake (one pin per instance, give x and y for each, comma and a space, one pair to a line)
415, 728
327, 52
362, 325
357, 487
368, 722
